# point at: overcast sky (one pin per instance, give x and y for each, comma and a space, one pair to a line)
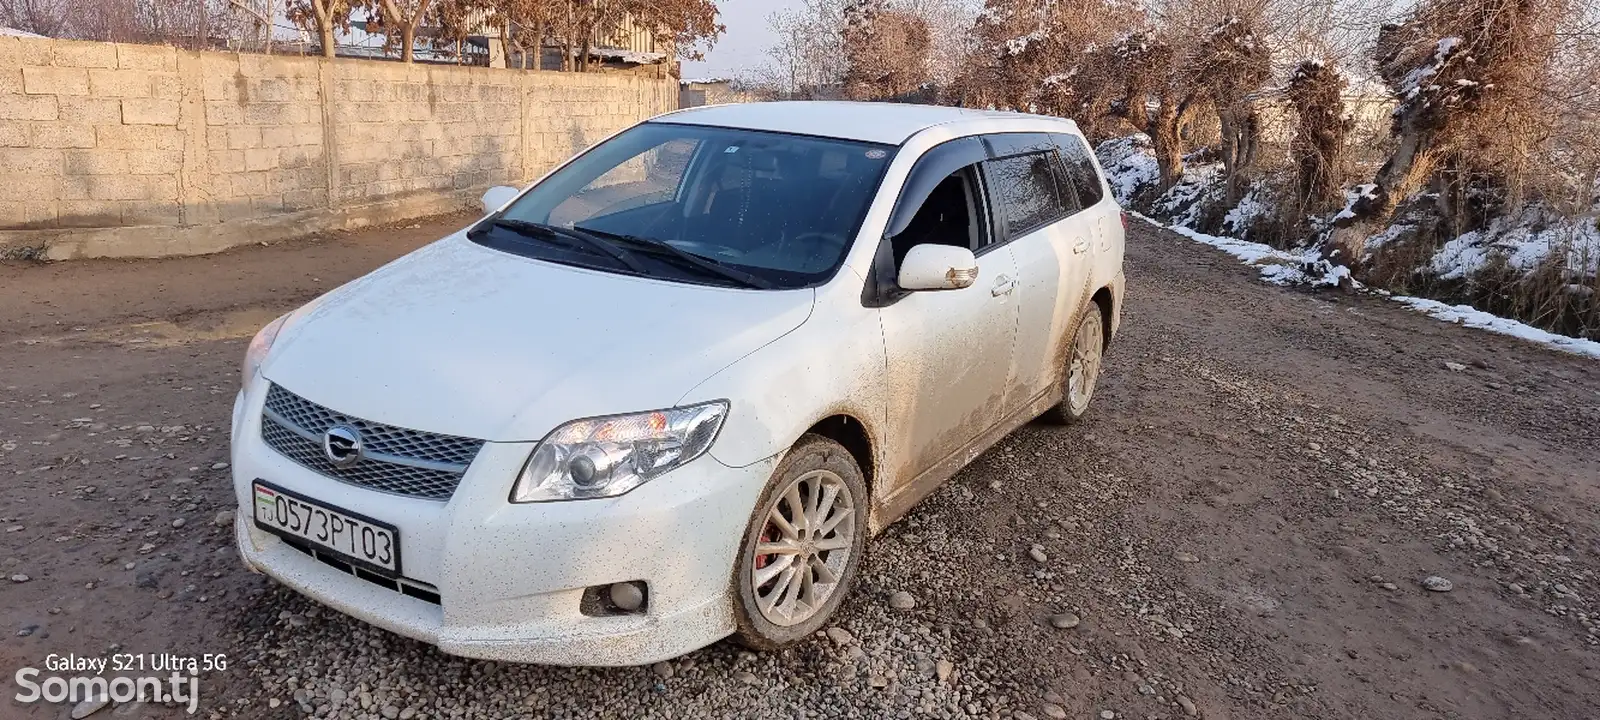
745, 42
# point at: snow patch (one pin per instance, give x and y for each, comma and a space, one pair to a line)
1468, 316
1130, 165
1279, 267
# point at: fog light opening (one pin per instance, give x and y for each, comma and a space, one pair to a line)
623, 598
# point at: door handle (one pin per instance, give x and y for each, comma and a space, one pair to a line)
1003, 285
1081, 247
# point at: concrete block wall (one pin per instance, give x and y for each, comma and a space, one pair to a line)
111, 150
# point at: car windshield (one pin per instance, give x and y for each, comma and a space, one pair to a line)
699, 204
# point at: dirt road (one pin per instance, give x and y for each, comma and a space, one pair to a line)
1241, 531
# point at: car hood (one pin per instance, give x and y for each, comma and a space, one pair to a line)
460, 339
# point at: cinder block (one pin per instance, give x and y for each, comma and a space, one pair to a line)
62, 135
95, 162
260, 159
167, 86
88, 213
91, 110
146, 57
81, 54
149, 111
138, 137
278, 136
151, 213
154, 162
120, 83
55, 81
226, 161
13, 134
31, 160
10, 77
244, 138
119, 187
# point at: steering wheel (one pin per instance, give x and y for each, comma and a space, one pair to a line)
836, 240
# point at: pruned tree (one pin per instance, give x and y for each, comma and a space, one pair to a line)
43, 17
1316, 91
885, 50
1230, 65
1466, 76
398, 20
324, 16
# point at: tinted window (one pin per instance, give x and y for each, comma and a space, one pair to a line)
1027, 184
1080, 169
780, 207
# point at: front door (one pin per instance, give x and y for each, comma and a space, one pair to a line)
948, 351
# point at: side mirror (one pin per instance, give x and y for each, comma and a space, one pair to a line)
938, 267
497, 196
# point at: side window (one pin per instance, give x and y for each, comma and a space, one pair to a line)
1028, 186
949, 216
1080, 168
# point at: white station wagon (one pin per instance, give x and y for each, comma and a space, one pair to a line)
666, 393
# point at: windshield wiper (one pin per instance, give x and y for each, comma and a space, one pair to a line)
700, 262
586, 238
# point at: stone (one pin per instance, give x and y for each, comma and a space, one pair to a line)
662, 670
219, 466
178, 523
943, 669
1454, 366
1054, 711
20, 578
1437, 584
223, 518
390, 712
1188, 706
146, 580
746, 677
89, 707
1108, 715
1185, 557
902, 600
1064, 621
840, 636
1037, 553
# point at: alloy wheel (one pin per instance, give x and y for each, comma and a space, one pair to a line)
804, 548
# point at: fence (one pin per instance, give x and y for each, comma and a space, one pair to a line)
114, 150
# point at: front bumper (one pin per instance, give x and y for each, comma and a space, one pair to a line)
510, 577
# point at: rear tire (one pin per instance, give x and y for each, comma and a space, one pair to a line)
803, 546
1081, 374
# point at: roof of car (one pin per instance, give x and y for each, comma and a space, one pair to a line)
879, 122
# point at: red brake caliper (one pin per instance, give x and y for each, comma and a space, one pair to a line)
766, 536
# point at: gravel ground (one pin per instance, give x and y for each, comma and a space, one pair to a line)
1285, 505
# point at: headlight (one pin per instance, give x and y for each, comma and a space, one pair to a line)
608, 456
257, 352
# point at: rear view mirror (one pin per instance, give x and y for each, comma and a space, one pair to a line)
938, 267
497, 196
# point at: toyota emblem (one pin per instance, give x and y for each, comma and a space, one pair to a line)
342, 445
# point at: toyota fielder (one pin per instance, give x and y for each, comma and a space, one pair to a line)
666, 393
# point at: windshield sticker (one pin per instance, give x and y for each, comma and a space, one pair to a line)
731, 149
876, 154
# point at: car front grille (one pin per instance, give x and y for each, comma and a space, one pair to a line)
393, 459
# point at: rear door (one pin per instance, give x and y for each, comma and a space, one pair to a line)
1052, 243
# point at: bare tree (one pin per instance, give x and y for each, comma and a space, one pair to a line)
43, 17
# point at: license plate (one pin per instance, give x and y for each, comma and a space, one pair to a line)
355, 537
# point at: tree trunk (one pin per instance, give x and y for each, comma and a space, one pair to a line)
583, 56
538, 47
325, 29
408, 39
1165, 133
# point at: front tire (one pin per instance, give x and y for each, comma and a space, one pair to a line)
802, 547
1082, 372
